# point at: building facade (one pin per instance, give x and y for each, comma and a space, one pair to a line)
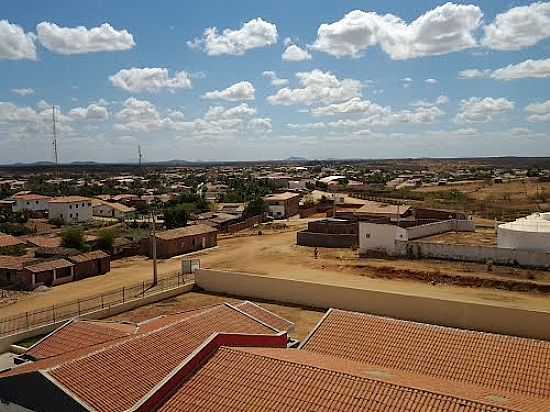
70, 209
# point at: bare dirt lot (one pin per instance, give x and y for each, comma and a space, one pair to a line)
278, 255
481, 237
304, 319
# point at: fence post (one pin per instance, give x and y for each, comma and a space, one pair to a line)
101, 301
53, 313
27, 318
123, 293
78, 302
143, 289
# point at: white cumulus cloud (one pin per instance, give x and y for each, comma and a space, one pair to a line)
318, 87
238, 92
253, 34
23, 92
518, 27
274, 79
150, 79
92, 112
15, 44
78, 40
538, 112
294, 53
535, 69
444, 29
480, 110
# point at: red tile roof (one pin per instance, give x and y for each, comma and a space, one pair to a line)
512, 364
78, 334
48, 265
9, 240
88, 256
113, 376
190, 230
294, 380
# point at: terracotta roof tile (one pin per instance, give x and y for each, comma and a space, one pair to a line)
49, 265
114, 375
77, 335
88, 256
9, 240
513, 364
190, 230
293, 380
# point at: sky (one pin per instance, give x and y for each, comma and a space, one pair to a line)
262, 80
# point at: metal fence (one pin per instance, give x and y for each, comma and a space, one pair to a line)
65, 311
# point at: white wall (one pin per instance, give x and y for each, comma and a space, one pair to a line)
516, 239
68, 211
379, 238
276, 210
32, 205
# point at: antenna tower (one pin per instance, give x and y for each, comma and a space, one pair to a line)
55, 142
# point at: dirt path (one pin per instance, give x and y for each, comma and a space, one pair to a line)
278, 255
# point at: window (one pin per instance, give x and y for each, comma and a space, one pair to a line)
28, 203
70, 206
70, 215
367, 235
76, 206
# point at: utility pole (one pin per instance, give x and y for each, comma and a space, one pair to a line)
140, 156
154, 248
55, 143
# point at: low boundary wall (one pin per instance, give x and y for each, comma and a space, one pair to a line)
465, 315
331, 240
480, 254
6, 341
435, 228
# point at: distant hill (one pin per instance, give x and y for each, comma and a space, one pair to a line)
296, 159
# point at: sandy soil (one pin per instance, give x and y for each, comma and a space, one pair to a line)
278, 255
304, 319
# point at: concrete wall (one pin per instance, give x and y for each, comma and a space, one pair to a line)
306, 238
435, 228
466, 315
68, 211
482, 254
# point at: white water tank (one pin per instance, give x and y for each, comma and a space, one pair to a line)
528, 233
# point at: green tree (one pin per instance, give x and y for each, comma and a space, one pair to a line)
255, 207
105, 239
73, 237
176, 216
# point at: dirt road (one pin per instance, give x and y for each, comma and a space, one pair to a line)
278, 255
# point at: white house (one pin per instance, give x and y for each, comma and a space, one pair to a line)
31, 202
70, 209
106, 209
380, 237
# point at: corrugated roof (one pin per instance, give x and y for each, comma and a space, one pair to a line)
293, 380
513, 364
190, 230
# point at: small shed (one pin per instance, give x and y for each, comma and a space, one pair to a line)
183, 240
90, 264
49, 273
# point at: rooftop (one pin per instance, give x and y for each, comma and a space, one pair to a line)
9, 240
282, 196
49, 265
190, 230
500, 362
70, 199
288, 379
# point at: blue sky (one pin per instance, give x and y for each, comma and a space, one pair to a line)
363, 79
